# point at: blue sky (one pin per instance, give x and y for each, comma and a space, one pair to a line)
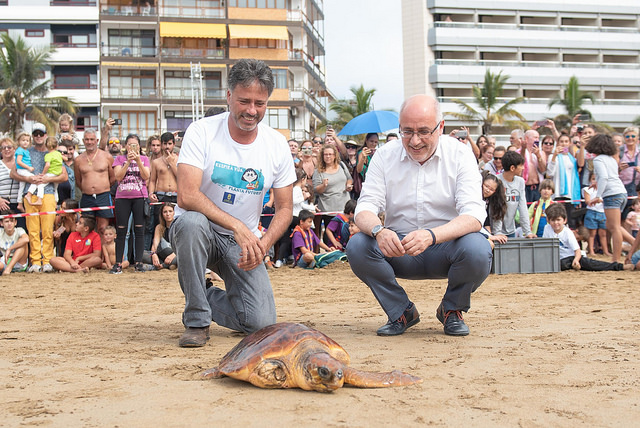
363, 42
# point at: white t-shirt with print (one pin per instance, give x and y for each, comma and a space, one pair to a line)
568, 242
236, 176
8, 240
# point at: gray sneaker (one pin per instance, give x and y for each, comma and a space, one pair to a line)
35, 269
47, 268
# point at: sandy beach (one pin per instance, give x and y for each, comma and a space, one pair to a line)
99, 350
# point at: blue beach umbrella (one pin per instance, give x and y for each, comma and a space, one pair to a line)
372, 121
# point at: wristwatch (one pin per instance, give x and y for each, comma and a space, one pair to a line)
376, 229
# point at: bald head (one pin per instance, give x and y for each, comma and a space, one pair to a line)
421, 104
421, 125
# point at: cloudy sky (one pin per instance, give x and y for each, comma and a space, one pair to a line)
363, 42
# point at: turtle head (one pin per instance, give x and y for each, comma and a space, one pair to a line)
323, 373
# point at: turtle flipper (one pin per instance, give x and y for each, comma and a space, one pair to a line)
213, 373
362, 379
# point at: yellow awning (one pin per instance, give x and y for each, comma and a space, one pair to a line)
192, 29
258, 32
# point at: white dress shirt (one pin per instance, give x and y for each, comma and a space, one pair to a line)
415, 196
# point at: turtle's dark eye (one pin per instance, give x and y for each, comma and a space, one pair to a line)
324, 373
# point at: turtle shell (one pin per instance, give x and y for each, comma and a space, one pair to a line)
278, 341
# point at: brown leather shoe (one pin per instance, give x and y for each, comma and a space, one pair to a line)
194, 337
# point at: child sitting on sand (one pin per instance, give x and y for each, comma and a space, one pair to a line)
83, 250
109, 249
570, 253
338, 229
304, 241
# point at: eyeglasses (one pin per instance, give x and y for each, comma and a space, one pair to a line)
497, 158
37, 134
547, 144
114, 141
351, 147
408, 134
63, 152
630, 136
7, 147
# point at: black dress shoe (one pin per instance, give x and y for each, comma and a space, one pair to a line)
453, 322
410, 317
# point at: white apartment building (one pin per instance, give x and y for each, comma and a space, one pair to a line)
131, 59
70, 26
540, 44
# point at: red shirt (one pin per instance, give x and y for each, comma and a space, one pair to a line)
80, 246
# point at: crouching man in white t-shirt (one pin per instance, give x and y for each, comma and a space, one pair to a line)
227, 162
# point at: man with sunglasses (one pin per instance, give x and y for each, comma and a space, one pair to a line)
40, 227
67, 190
494, 166
431, 190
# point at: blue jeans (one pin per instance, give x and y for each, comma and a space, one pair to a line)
246, 305
465, 261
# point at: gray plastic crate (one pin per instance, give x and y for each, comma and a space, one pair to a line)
523, 255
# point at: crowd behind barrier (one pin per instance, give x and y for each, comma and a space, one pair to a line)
535, 170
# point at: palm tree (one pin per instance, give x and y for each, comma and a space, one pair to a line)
486, 97
23, 91
573, 98
348, 109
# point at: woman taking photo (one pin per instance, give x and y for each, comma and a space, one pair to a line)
131, 171
308, 160
332, 184
364, 156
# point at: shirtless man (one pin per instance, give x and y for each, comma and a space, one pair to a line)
94, 176
163, 184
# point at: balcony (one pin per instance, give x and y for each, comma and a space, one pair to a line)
185, 93
130, 93
309, 98
202, 53
128, 10
132, 51
299, 16
185, 11
73, 3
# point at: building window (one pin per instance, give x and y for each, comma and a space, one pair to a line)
34, 33
277, 118
280, 76
127, 83
82, 81
84, 121
177, 84
260, 4
132, 42
142, 123
75, 40
258, 43
72, 2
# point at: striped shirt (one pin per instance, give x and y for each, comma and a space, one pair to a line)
8, 186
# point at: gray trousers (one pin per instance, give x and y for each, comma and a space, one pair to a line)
246, 305
466, 262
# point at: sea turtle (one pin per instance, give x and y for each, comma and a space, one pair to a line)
290, 355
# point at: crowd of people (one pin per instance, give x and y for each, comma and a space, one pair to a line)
238, 196
123, 191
